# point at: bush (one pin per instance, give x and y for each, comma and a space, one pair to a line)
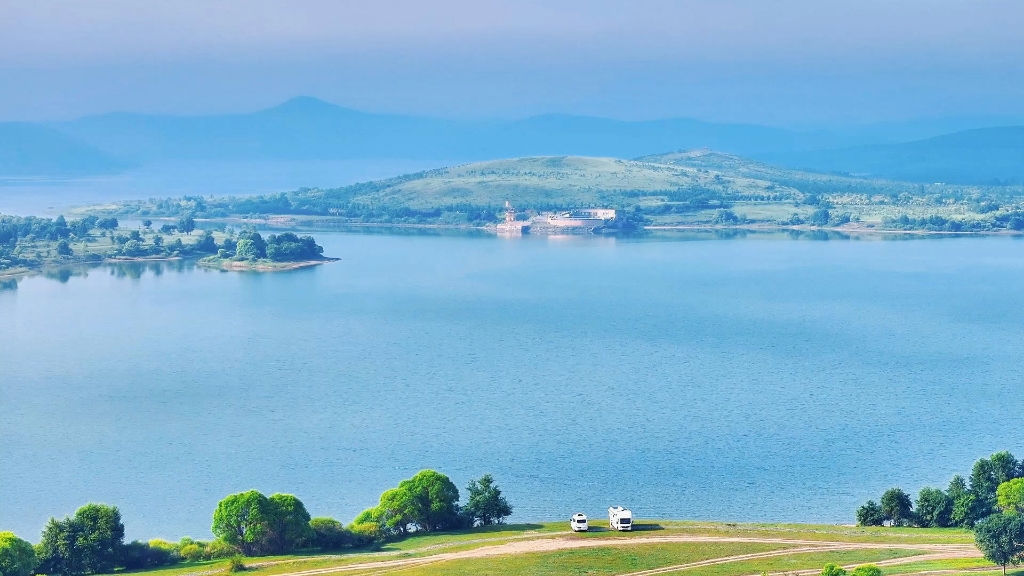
365, 534
236, 564
192, 553
220, 549
867, 570
329, 534
137, 555
832, 570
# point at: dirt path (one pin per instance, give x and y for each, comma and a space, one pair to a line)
552, 544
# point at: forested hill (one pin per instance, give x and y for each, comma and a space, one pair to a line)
691, 187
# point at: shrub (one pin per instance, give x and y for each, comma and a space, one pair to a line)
364, 533
329, 534
236, 564
832, 570
867, 570
192, 553
220, 549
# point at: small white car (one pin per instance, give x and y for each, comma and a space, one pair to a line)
578, 522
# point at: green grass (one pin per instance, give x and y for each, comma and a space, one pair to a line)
597, 560
616, 558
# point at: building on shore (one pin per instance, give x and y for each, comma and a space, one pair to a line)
582, 218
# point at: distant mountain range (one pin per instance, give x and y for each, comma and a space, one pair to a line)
309, 129
33, 150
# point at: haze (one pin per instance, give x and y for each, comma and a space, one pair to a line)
795, 63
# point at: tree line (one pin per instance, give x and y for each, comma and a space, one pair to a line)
990, 502
66, 235
252, 524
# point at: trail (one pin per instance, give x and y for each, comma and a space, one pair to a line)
552, 544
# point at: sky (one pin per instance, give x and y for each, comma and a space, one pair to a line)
781, 62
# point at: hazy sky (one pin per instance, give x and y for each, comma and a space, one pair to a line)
773, 61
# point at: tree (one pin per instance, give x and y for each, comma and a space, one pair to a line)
90, 542
434, 500
107, 223
187, 224
897, 506
428, 501
168, 229
259, 245
147, 224
241, 520
288, 523
832, 570
987, 475
934, 508
246, 250
486, 505
329, 534
867, 570
58, 551
206, 244
819, 217
1000, 537
1010, 496
101, 537
17, 557
870, 514
64, 248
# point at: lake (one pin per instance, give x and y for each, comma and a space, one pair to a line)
746, 379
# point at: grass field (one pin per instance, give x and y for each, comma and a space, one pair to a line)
662, 547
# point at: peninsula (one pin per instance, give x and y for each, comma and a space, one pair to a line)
686, 190
28, 244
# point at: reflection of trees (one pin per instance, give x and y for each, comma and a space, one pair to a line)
9, 284
65, 273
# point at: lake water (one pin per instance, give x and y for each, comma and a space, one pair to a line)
749, 379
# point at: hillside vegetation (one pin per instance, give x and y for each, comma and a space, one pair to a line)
694, 188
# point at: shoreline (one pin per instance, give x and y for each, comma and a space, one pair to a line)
226, 264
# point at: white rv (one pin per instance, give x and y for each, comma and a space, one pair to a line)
578, 522
620, 518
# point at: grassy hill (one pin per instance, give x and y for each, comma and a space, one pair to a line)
691, 188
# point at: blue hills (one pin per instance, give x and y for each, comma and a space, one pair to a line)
306, 128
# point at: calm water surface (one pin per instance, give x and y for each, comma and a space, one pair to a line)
735, 380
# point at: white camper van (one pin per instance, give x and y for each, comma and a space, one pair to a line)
578, 522
620, 519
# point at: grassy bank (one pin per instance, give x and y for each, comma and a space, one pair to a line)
662, 547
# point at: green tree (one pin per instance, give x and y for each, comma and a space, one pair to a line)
288, 523
147, 224
866, 570
434, 499
897, 506
1010, 495
206, 244
58, 551
187, 224
486, 505
241, 520
101, 537
246, 250
329, 534
17, 557
933, 509
1000, 537
832, 570
987, 475
107, 223
870, 514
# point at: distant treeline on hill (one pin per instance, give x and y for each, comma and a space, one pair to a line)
251, 524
